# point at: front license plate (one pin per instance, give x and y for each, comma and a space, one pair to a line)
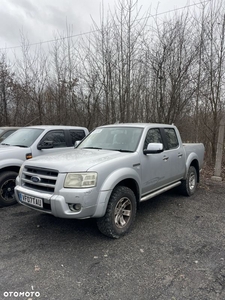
31, 200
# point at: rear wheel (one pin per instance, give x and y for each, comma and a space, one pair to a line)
7, 185
189, 185
120, 213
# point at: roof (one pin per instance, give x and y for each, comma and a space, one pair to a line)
142, 125
55, 127
9, 127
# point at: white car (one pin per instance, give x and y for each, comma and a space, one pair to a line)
6, 131
29, 142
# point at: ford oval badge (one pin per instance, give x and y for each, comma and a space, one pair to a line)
36, 179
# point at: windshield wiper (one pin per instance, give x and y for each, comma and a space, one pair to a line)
122, 150
22, 146
92, 148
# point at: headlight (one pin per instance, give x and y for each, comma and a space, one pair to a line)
80, 180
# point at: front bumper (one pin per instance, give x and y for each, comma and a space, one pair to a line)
93, 204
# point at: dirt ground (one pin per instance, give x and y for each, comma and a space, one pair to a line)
176, 251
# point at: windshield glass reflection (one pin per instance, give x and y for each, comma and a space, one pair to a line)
113, 138
23, 137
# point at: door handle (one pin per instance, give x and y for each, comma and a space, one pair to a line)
165, 158
180, 154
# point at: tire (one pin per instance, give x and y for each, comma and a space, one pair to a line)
189, 185
120, 213
7, 184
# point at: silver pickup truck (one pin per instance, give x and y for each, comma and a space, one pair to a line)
109, 173
28, 142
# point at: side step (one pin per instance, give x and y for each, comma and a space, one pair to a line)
158, 192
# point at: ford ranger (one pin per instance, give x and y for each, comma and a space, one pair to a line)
28, 142
110, 173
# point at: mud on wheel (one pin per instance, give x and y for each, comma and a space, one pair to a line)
120, 213
7, 184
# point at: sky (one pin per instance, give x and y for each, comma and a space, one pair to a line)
41, 20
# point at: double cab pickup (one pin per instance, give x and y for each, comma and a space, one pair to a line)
110, 173
28, 142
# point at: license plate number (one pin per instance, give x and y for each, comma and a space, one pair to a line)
31, 200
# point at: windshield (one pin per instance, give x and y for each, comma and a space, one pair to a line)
113, 138
24, 137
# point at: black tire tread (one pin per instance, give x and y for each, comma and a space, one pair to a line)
105, 224
184, 187
5, 176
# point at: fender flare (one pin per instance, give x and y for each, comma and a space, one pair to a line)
111, 181
7, 163
119, 175
192, 156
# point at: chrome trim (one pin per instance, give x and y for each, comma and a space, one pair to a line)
158, 192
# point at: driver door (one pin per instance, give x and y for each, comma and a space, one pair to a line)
155, 167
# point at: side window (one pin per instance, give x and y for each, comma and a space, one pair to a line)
76, 135
171, 138
58, 138
153, 136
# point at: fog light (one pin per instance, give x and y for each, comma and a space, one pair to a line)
75, 207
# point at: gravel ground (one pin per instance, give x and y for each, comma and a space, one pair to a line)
175, 251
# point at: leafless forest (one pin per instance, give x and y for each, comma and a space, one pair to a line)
134, 67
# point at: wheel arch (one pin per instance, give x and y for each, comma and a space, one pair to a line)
192, 160
131, 184
195, 164
10, 168
117, 178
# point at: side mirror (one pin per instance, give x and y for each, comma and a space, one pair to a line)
153, 148
76, 144
45, 145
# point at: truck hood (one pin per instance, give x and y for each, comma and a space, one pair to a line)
76, 160
6, 151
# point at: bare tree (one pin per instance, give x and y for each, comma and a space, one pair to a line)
128, 69
171, 59
6, 83
32, 74
211, 86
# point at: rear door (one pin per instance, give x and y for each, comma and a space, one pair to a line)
75, 135
174, 153
161, 169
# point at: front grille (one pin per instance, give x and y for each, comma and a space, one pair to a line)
39, 179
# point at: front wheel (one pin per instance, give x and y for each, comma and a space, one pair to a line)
7, 185
120, 213
189, 185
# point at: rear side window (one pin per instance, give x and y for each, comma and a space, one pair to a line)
171, 138
76, 135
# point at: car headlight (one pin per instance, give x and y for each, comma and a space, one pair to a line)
80, 180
